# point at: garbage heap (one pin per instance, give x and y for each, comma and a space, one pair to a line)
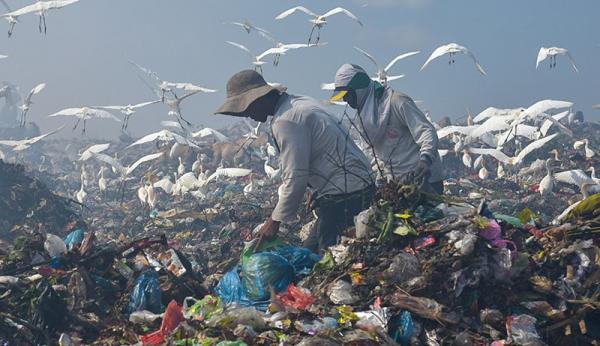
416, 269
27, 202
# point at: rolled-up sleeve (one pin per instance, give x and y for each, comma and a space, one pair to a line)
295, 145
421, 128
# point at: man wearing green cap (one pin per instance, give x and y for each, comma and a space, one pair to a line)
315, 152
404, 141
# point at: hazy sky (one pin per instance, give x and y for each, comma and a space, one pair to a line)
83, 58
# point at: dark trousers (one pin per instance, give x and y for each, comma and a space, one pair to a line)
335, 213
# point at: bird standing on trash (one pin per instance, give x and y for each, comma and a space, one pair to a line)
400, 135
309, 139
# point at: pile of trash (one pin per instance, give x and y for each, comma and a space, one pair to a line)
28, 202
487, 263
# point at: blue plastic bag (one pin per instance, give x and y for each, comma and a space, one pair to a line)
230, 291
302, 259
264, 270
74, 238
146, 293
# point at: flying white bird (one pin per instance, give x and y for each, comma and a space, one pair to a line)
41, 8
530, 148
596, 106
382, 73
96, 148
26, 143
85, 113
128, 110
551, 53
228, 173
3, 56
161, 87
491, 112
249, 27
451, 49
257, 59
165, 184
164, 136
27, 103
318, 20
11, 19
121, 170
207, 131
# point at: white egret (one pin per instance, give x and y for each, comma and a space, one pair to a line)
382, 73
551, 53
142, 193
164, 136
102, 185
41, 8
257, 59
318, 20
181, 167
85, 113
96, 148
207, 131
11, 19
81, 195
547, 184
128, 110
26, 143
249, 27
151, 194
451, 49
27, 103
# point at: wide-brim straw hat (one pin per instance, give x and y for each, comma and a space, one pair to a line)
243, 88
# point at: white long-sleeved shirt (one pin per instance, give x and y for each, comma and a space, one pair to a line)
315, 151
408, 137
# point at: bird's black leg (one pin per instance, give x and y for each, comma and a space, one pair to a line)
76, 123
44, 18
318, 35
311, 33
40, 25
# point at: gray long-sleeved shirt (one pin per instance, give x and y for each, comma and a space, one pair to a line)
408, 137
315, 151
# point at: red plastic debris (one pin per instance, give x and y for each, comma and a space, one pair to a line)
172, 318
297, 298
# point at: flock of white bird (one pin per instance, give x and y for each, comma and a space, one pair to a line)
485, 136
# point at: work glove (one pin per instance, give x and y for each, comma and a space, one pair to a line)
422, 172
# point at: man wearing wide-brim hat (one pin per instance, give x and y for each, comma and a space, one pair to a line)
403, 139
315, 152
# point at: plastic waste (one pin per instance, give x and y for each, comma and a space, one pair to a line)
339, 252
296, 297
405, 330
172, 262
302, 259
171, 319
144, 317
521, 330
231, 343
373, 319
361, 223
404, 267
202, 309
74, 239
316, 326
263, 271
247, 316
146, 294
424, 241
9, 280
54, 246
424, 307
341, 293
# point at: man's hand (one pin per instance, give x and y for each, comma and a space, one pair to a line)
422, 172
269, 229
